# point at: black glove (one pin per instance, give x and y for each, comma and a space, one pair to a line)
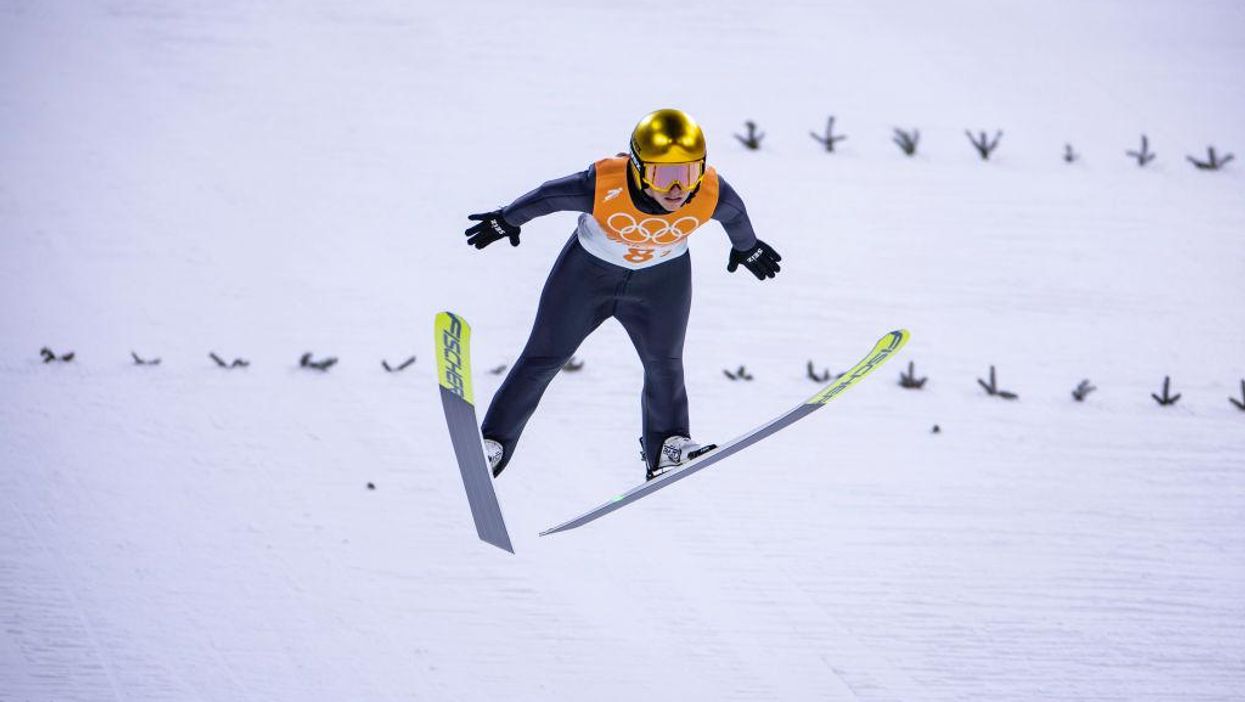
760, 259
492, 226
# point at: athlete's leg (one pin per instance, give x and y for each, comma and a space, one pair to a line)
654, 311
576, 298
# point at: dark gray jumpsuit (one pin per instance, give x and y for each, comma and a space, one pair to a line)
582, 291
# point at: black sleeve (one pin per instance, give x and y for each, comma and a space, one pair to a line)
734, 217
573, 193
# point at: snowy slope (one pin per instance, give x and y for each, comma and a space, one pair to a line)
262, 181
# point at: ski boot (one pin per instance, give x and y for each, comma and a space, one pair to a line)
493, 452
675, 451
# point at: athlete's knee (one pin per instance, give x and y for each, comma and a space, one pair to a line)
541, 365
662, 365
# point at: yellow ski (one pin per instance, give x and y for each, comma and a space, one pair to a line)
453, 342
886, 347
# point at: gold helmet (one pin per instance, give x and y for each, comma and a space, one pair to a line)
666, 136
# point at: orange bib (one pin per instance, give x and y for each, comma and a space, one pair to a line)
647, 235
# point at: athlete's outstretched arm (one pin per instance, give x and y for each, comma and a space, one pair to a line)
755, 255
573, 193
734, 216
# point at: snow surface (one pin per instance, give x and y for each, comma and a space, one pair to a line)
262, 180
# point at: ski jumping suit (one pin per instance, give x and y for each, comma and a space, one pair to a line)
627, 259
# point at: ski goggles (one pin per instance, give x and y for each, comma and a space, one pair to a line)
662, 177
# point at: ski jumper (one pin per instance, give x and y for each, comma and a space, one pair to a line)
628, 259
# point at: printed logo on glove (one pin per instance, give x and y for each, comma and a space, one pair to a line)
491, 227
762, 260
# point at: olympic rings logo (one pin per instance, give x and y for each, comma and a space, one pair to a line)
651, 230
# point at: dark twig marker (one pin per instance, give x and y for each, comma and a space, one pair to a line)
140, 362
571, 366
829, 139
907, 141
824, 377
1082, 390
753, 140
984, 145
1069, 156
741, 374
1213, 162
1240, 404
405, 364
993, 389
498, 370
909, 379
1143, 156
1167, 398
49, 356
323, 365
237, 362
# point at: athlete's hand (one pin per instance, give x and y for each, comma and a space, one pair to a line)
760, 259
492, 226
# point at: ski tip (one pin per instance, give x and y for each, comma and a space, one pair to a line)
903, 336
447, 320
887, 346
891, 342
452, 336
